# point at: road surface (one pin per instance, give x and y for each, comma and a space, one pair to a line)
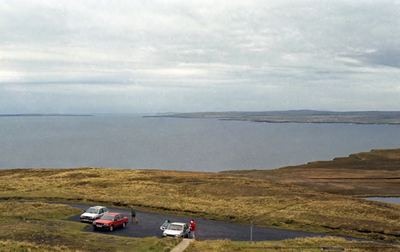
149, 226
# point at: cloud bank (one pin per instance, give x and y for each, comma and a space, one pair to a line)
171, 55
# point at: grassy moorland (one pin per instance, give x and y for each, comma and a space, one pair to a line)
320, 197
39, 227
316, 244
299, 116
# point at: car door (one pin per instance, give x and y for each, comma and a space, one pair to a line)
186, 231
119, 220
100, 213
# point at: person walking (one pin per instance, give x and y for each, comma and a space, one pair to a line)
192, 228
133, 211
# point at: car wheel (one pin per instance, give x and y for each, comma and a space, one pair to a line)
111, 228
124, 224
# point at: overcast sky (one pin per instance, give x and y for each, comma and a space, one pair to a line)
182, 56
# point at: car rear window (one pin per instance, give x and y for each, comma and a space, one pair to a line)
107, 217
175, 227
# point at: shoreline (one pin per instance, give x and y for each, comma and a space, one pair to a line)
16, 115
297, 116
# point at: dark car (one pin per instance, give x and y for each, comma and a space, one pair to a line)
110, 221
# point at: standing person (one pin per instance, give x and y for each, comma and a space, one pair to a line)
192, 228
167, 223
133, 211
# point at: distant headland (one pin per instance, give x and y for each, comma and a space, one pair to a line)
43, 115
299, 116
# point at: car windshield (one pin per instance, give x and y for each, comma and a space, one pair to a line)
175, 227
92, 210
107, 217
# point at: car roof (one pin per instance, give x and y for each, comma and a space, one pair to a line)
178, 223
98, 207
113, 213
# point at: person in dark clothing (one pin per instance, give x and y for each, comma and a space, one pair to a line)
133, 211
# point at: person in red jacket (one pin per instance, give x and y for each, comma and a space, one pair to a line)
192, 228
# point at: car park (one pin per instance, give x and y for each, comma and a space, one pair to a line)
177, 230
110, 221
93, 213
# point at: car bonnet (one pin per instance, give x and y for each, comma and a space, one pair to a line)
103, 221
88, 215
173, 232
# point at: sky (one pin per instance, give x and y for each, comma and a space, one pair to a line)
158, 56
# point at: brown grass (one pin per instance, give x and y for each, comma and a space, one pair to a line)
25, 228
319, 197
300, 244
39, 227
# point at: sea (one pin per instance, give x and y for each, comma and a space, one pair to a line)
135, 141
391, 200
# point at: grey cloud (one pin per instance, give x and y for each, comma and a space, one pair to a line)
221, 55
386, 56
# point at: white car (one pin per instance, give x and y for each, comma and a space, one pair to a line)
93, 213
177, 230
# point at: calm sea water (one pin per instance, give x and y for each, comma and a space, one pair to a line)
392, 200
135, 142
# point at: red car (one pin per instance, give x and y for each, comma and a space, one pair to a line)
110, 221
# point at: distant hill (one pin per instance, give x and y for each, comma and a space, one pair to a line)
365, 174
299, 116
42, 115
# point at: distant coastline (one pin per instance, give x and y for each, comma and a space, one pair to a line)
299, 116
4, 115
